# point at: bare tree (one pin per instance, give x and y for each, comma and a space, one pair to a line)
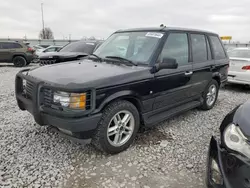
46, 33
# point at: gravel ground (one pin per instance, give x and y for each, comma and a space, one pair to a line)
171, 155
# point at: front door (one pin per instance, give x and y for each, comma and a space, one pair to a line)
172, 86
5, 54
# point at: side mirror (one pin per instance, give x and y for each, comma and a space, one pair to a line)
167, 63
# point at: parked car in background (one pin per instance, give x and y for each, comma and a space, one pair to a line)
229, 48
229, 156
239, 69
38, 48
70, 52
137, 77
43, 45
49, 49
18, 53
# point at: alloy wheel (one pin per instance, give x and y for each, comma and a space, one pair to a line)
211, 95
120, 128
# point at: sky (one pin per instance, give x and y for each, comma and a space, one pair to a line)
100, 18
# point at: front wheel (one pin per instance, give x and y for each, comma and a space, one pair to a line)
210, 95
117, 128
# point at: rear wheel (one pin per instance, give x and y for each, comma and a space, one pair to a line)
210, 95
19, 61
117, 128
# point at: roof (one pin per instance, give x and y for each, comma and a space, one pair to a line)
165, 29
11, 41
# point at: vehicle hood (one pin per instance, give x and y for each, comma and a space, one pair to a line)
61, 55
89, 74
241, 118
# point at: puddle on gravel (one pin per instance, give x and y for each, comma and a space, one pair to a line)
153, 137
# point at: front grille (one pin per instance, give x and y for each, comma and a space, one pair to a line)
28, 89
47, 62
49, 102
47, 97
88, 100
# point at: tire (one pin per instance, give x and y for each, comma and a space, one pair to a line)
110, 120
207, 104
19, 61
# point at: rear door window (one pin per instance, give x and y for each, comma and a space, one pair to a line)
218, 49
199, 48
14, 45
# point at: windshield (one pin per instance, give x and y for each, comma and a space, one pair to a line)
86, 47
241, 53
134, 46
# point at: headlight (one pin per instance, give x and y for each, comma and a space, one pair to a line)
70, 100
235, 140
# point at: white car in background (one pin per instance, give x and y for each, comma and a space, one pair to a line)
48, 50
38, 48
239, 69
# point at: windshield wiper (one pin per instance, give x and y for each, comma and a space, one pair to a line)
121, 59
99, 58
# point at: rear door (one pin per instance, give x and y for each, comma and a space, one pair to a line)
172, 86
202, 62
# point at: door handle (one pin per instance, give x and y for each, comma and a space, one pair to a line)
188, 73
212, 67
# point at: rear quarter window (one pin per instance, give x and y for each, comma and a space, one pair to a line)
218, 49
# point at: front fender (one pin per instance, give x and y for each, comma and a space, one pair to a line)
127, 94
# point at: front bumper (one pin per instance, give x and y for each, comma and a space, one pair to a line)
234, 168
79, 125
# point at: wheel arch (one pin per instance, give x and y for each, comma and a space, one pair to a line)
127, 95
217, 77
16, 55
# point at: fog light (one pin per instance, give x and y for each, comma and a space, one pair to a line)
215, 173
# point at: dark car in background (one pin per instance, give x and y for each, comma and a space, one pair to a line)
18, 53
70, 52
229, 156
136, 78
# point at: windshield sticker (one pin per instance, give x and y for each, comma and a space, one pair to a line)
90, 43
156, 35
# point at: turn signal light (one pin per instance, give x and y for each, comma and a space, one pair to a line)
246, 67
78, 101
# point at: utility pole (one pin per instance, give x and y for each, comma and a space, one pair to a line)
69, 36
42, 20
